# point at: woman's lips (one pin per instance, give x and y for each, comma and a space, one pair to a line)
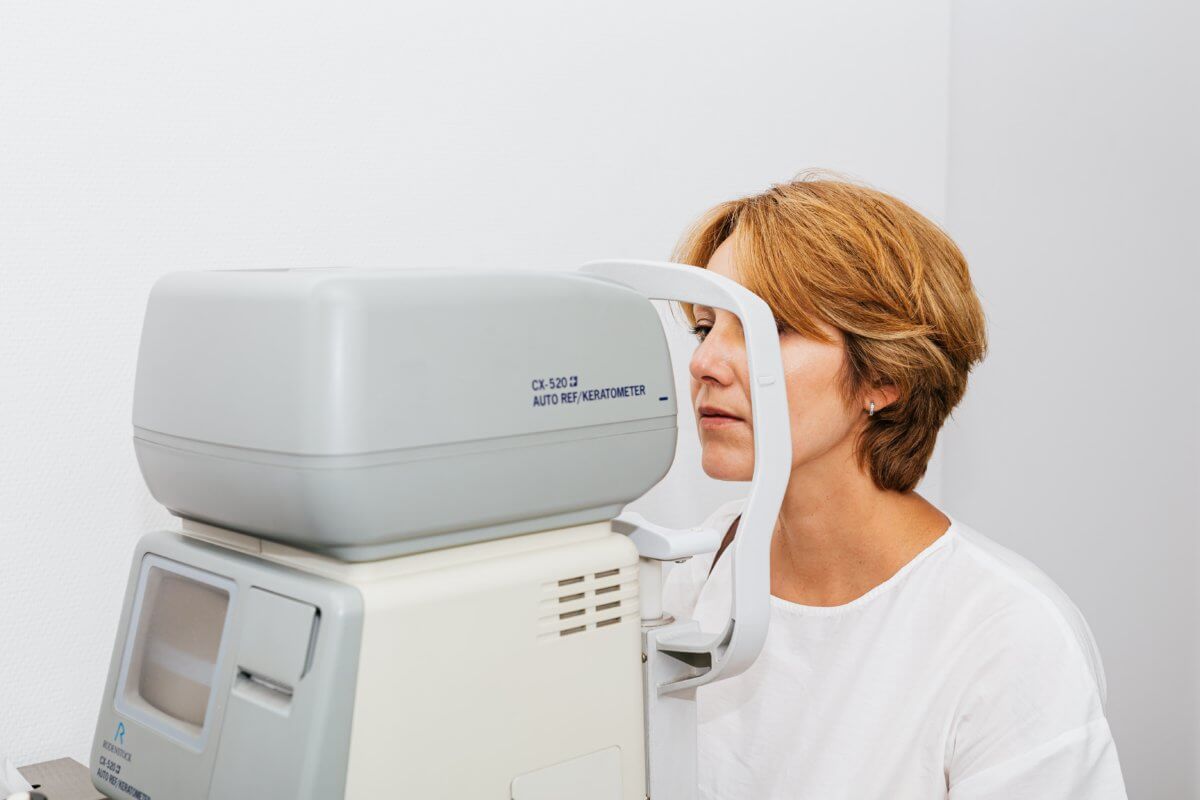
718, 421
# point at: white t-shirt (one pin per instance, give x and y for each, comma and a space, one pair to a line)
967, 675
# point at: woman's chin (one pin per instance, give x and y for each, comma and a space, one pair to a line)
723, 469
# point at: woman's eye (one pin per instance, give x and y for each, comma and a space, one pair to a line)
701, 329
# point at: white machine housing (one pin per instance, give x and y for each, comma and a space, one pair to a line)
374, 413
507, 669
396, 574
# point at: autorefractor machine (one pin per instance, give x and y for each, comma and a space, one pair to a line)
403, 570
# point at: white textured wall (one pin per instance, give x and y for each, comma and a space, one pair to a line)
142, 137
1073, 189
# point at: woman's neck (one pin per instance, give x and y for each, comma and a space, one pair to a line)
840, 535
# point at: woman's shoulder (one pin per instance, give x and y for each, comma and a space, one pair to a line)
1031, 705
682, 585
724, 515
1018, 598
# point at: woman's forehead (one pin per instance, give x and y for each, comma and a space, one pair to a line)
721, 261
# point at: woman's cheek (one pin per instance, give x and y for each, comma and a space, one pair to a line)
820, 420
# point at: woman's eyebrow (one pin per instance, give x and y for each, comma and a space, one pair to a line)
697, 308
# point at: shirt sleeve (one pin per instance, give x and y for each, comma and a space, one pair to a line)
1080, 764
1030, 723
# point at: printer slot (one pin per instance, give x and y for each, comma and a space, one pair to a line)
263, 691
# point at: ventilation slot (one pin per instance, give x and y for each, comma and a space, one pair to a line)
580, 604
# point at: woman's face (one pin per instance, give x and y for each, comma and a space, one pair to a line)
823, 422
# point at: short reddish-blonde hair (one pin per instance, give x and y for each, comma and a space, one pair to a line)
890, 280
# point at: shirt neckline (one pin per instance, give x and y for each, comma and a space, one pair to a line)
799, 609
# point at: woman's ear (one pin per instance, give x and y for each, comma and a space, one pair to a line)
880, 397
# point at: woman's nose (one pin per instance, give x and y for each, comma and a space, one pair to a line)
713, 359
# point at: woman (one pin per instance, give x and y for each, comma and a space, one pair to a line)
908, 656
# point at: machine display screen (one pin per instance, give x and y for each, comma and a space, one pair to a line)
173, 648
